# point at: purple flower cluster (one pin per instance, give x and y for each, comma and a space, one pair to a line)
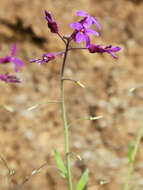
45, 58
82, 30
11, 59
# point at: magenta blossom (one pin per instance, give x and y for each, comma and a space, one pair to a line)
81, 33
89, 19
45, 58
9, 78
82, 28
51, 24
100, 49
12, 59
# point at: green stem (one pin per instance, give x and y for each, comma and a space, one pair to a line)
65, 121
136, 147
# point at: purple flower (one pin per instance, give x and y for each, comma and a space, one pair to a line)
10, 78
89, 19
100, 49
82, 28
81, 33
51, 24
45, 58
12, 59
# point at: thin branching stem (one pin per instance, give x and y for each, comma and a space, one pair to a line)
78, 48
65, 120
62, 38
70, 79
10, 172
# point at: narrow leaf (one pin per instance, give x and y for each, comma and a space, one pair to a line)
82, 182
60, 164
132, 188
130, 152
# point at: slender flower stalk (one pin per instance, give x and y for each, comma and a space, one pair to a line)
65, 120
62, 38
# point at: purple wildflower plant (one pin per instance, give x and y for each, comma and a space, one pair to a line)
101, 49
12, 59
45, 58
82, 28
81, 33
10, 78
51, 24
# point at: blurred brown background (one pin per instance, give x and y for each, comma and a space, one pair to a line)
27, 138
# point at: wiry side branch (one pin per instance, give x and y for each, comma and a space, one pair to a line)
10, 172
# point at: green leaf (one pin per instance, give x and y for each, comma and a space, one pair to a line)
82, 182
60, 164
132, 188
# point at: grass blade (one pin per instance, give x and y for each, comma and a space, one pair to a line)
82, 182
131, 155
60, 164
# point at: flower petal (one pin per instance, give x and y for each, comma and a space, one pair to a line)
81, 13
94, 21
17, 62
91, 31
87, 23
87, 40
34, 60
117, 48
48, 16
113, 55
79, 37
76, 26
